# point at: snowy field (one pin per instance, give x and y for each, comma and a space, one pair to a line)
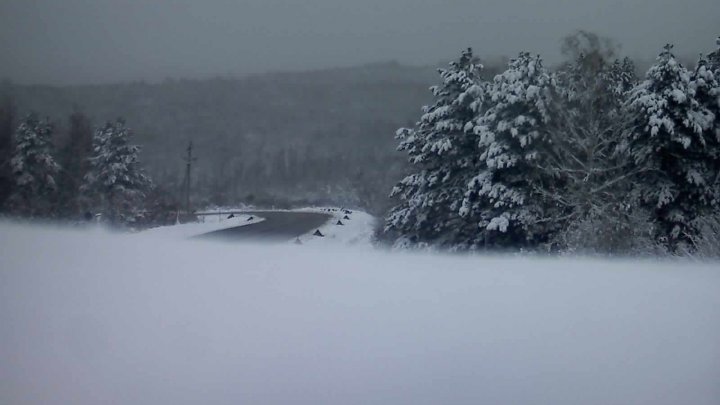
89, 317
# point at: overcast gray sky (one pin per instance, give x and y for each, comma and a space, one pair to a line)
91, 41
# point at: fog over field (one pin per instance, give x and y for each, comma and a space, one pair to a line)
360, 202
181, 322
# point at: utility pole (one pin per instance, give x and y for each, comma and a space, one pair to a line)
188, 164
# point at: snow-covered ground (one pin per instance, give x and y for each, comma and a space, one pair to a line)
88, 317
206, 223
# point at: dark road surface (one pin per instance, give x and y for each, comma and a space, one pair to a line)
277, 226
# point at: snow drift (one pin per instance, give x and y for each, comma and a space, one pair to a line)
88, 317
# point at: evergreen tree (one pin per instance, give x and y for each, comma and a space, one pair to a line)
34, 170
705, 87
442, 151
504, 198
116, 184
620, 79
670, 147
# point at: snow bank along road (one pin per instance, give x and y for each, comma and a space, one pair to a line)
209, 223
278, 226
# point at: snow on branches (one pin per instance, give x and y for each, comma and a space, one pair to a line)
33, 168
441, 150
116, 183
511, 137
582, 159
671, 145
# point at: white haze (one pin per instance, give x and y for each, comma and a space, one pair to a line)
79, 41
88, 317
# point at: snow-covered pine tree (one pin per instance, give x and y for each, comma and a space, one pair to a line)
442, 151
705, 85
706, 80
34, 170
503, 198
620, 77
116, 184
670, 148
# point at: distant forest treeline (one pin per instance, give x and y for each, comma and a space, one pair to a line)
324, 136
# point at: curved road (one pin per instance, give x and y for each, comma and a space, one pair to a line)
277, 226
